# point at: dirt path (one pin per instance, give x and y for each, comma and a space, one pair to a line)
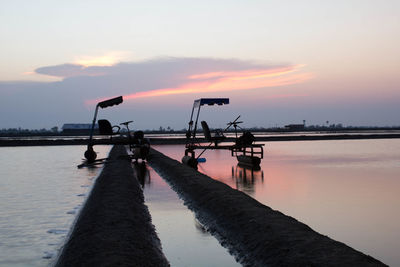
253, 232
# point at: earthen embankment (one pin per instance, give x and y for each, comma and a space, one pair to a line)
114, 227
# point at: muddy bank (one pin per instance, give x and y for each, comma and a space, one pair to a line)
176, 141
254, 233
114, 226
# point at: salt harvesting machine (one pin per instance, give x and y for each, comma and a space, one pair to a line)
138, 145
244, 148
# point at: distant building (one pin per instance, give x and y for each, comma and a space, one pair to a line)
294, 127
79, 128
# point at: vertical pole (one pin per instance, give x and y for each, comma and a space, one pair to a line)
191, 120
93, 123
195, 125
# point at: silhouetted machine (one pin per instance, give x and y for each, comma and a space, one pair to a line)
139, 145
244, 148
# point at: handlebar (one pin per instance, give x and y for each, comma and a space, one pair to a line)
125, 123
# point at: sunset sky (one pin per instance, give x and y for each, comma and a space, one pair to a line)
279, 62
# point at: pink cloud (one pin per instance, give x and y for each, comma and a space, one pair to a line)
231, 81
223, 81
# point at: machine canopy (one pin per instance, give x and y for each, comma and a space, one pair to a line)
110, 102
210, 101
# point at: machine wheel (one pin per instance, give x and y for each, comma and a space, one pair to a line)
90, 154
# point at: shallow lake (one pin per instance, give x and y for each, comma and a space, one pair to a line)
184, 241
41, 191
348, 190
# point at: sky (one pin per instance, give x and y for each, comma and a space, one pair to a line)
279, 62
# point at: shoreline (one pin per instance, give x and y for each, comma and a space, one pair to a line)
178, 141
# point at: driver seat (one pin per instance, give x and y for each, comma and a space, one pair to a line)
105, 128
215, 137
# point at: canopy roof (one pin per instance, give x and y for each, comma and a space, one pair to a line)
211, 101
110, 102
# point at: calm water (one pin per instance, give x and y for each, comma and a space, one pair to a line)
348, 190
184, 241
41, 191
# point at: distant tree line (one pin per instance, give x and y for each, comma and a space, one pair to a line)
54, 131
28, 132
329, 128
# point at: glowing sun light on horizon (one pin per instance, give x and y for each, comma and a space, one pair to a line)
108, 59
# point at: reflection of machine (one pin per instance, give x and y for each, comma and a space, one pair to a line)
139, 145
142, 173
244, 148
245, 177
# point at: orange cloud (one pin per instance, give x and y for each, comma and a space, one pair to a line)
256, 73
230, 81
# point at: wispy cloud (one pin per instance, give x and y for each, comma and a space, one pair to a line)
87, 65
231, 75
146, 86
231, 81
176, 76
69, 70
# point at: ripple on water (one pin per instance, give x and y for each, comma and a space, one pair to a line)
48, 255
57, 231
38, 194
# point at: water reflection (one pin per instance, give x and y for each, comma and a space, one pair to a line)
142, 173
40, 195
348, 190
92, 170
185, 242
245, 177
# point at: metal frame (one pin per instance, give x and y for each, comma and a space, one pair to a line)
191, 133
137, 144
104, 104
192, 143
